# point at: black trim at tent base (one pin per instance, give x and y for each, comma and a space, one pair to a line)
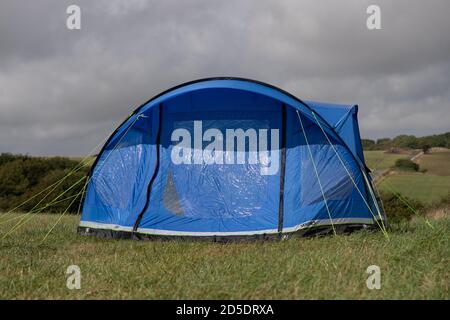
306, 232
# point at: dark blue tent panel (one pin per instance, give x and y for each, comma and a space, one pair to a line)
176, 166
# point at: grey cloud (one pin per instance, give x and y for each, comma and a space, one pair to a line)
62, 92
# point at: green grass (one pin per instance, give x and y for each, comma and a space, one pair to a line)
381, 160
427, 188
436, 163
423, 187
414, 265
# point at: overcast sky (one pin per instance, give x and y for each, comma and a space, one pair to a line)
63, 91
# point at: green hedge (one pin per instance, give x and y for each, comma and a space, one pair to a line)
22, 177
406, 164
400, 208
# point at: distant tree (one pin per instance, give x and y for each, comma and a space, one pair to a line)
8, 157
405, 141
384, 143
368, 144
437, 140
22, 177
447, 139
426, 148
409, 142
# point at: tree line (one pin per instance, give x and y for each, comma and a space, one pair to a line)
408, 142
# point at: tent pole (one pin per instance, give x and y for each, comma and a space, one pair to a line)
155, 172
282, 169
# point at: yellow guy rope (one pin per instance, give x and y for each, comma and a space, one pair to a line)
382, 227
317, 174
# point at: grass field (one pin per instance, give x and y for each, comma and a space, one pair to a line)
428, 187
381, 160
423, 187
414, 264
436, 163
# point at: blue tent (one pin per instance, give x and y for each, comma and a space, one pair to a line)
225, 158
